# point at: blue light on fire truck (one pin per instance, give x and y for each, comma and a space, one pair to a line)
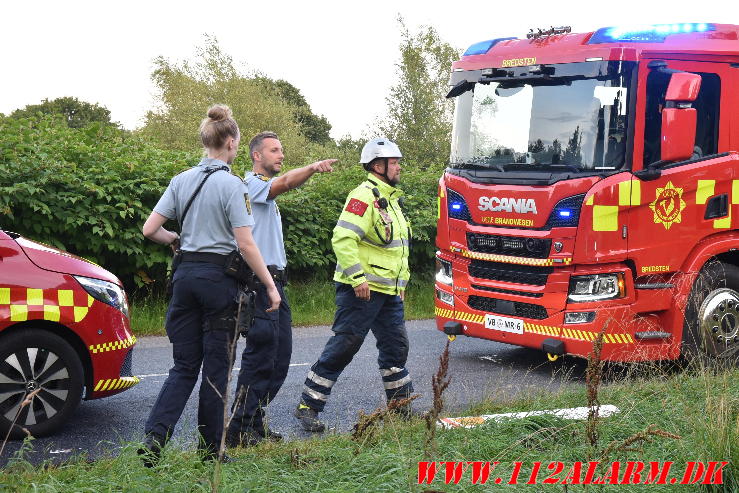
457, 206
565, 213
655, 33
483, 46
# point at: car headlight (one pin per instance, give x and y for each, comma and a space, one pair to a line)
596, 287
444, 272
107, 292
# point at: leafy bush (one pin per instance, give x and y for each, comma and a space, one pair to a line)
85, 190
89, 191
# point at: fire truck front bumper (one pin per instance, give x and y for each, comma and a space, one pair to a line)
625, 335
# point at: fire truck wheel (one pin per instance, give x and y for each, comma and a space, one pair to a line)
711, 330
41, 380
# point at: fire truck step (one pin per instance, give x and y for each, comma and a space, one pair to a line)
652, 334
453, 328
553, 346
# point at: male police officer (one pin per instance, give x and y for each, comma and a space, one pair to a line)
371, 241
266, 358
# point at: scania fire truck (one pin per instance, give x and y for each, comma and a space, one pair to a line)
592, 193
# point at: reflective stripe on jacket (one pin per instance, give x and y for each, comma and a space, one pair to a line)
372, 244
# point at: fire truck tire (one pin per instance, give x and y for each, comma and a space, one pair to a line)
37, 360
711, 329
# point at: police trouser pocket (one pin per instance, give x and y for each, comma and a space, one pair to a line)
237, 317
176, 260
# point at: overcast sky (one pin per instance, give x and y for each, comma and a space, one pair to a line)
340, 54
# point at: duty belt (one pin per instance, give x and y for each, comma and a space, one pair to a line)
211, 258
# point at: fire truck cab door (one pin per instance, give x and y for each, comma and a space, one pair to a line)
690, 199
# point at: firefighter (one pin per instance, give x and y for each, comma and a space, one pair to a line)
371, 241
214, 225
266, 357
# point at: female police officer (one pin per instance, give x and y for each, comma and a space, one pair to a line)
217, 221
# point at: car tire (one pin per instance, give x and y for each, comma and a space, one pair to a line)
35, 359
711, 328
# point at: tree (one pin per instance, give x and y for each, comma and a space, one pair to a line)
314, 127
419, 116
76, 113
573, 151
188, 88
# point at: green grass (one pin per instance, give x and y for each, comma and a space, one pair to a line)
311, 302
701, 409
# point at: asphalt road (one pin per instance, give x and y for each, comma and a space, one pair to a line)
479, 370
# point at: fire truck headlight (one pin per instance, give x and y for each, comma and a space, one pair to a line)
444, 272
596, 287
106, 292
445, 297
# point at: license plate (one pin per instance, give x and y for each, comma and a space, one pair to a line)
494, 322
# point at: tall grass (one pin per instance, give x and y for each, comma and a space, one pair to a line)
700, 408
311, 302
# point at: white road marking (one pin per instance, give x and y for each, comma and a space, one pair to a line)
150, 375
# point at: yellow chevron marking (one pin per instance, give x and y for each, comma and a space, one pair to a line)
514, 260
116, 383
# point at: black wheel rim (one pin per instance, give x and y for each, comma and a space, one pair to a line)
37, 372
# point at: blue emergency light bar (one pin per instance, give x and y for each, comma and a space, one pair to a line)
483, 46
655, 33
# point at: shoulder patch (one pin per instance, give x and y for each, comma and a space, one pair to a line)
248, 204
356, 206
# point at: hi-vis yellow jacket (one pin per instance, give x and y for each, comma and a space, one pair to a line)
371, 243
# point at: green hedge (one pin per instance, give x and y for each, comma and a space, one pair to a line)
89, 191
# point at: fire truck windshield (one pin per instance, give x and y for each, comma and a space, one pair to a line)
546, 117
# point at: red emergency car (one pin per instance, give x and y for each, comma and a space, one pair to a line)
64, 333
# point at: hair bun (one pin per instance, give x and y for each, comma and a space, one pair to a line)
219, 112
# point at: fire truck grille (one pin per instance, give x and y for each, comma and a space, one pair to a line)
519, 274
509, 245
127, 367
505, 307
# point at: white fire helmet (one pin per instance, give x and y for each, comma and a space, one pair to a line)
379, 147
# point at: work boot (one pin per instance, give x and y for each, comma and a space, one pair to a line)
404, 411
308, 418
246, 438
151, 451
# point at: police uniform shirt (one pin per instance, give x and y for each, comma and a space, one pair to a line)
221, 205
268, 222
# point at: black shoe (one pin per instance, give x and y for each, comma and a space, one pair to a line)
273, 436
151, 451
269, 434
308, 418
247, 438
211, 456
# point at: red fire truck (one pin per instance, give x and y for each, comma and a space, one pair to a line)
592, 188
64, 329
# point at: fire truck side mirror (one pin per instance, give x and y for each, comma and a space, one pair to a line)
679, 117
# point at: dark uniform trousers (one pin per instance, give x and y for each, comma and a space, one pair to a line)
200, 291
264, 362
383, 315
